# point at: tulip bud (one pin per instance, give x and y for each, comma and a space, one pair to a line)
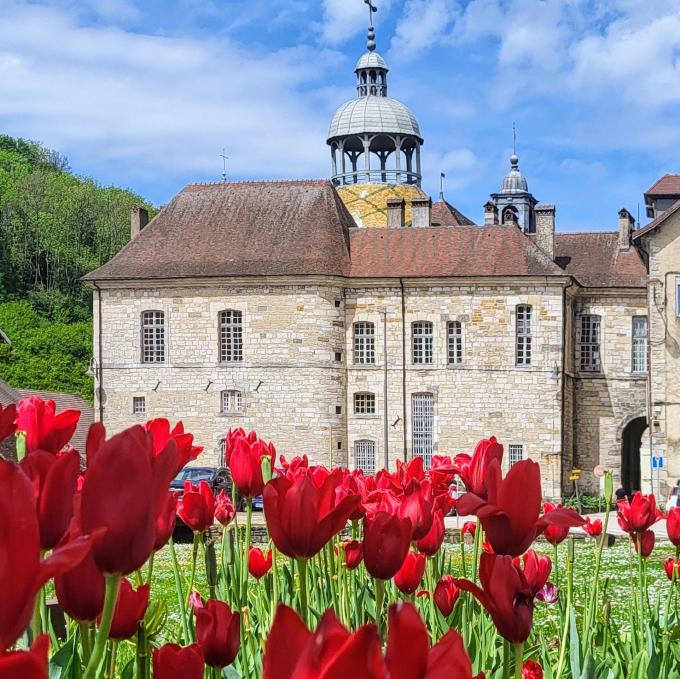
172, 661
130, 609
446, 594
608, 487
408, 577
218, 633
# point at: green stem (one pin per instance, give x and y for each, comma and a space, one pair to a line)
112, 663
84, 628
149, 572
379, 596
567, 614
475, 553
192, 575
519, 656
142, 653
302, 567
506, 659
246, 553
178, 589
275, 581
112, 587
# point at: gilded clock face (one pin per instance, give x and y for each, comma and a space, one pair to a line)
367, 203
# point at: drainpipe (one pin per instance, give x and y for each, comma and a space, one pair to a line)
100, 371
403, 363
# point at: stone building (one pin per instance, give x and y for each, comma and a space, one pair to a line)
273, 306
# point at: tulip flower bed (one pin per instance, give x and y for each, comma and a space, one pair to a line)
388, 601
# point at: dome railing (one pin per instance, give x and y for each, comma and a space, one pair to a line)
376, 176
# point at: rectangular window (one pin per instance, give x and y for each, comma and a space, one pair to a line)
232, 401
422, 341
422, 423
590, 344
639, 344
516, 453
364, 342
364, 456
455, 342
523, 334
139, 405
153, 337
364, 404
231, 336
222, 453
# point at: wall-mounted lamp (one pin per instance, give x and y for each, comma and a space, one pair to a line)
93, 368
158, 384
555, 371
397, 421
207, 386
259, 384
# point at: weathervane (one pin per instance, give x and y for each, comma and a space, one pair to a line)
514, 140
224, 157
370, 44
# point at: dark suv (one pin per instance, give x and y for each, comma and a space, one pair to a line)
218, 478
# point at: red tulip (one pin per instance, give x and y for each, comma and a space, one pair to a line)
130, 608
44, 429
224, 509
508, 591
669, 565
446, 594
354, 554
302, 517
639, 515
218, 632
244, 455
593, 528
125, 490
22, 573
673, 525
174, 662
532, 670
410, 575
645, 540
54, 483
409, 654
472, 470
386, 542
165, 520
354, 483
331, 652
469, 527
259, 563
510, 516
184, 442
431, 543
31, 664
8, 416
197, 506
554, 534
417, 506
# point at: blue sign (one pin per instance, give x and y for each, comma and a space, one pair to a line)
658, 462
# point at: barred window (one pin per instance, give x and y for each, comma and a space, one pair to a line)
364, 456
422, 422
153, 337
455, 342
639, 344
523, 334
231, 336
590, 343
422, 341
222, 450
364, 404
516, 453
232, 401
139, 405
364, 342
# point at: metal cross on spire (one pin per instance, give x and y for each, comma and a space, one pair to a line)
370, 43
514, 140
225, 158
371, 9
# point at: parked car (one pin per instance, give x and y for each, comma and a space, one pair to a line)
218, 478
258, 504
673, 497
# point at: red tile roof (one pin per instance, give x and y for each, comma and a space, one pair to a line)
655, 224
444, 214
595, 260
445, 251
668, 185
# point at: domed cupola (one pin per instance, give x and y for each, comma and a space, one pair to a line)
374, 138
514, 181
515, 205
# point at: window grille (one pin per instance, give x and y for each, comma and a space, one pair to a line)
639, 344
422, 423
364, 342
364, 404
364, 456
590, 343
232, 401
422, 341
153, 337
138, 405
231, 336
455, 342
523, 333
515, 453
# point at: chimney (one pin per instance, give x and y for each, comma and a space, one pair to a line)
396, 211
626, 226
139, 218
421, 212
490, 214
545, 229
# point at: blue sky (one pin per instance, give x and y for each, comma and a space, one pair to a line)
145, 93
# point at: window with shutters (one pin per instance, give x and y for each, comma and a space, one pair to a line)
422, 337
364, 456
364, 403
455, 342
639, 344
231, 401
153, 337
523, 334
590, 331
364, 342
422, 426
231, 336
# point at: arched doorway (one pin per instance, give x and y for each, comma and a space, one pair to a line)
631, 440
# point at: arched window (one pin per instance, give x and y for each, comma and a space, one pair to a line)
364, 403
231, 401
523, 334
373, 77
422, 423
153, 337
422, 338
364, 342
509, 215
231, 336
364, 456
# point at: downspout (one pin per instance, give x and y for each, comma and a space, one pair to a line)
100, 369
403, 363
564, 383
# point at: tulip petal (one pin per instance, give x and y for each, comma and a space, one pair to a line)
285, 644
448, 658
407, 642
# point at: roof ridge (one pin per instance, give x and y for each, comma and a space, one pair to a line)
250, 182
585, 233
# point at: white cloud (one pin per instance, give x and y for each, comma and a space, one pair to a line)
422, 25
461, 166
